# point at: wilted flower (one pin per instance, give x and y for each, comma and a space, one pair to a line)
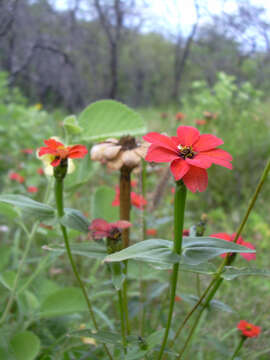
189, 153
240, 241
209, 115
100, 229
16, 177
247, 329
56, 153
118, 153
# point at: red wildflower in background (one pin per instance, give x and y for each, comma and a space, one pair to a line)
16, 177
136, 200
200, 122
151, 232
100, 228
240, 241
189, 153
186, 232
27, 151
180, 116
61, 152
177, 298
32, 189
40, 171
247, 329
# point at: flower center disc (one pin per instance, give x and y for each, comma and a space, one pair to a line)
185, 152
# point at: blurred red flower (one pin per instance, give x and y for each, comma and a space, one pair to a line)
136, 200
27, 151
61, 152
32, 189
200, 122
40, 171
151, 232
180, 116
239, 241
16, 177
177, 298
189, 153
247, 329
100, 228
186, 232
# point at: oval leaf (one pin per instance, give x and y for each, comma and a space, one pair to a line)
25, 345
74, 219
108, 118
90, 249
231, 272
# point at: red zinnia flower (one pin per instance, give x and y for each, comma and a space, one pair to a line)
16, 177
32, 189
200, 121
136, 200
62, 152
247, 329
177, 298
151, 232
186, 232
180, 116
239, 241
100, 228
189, 153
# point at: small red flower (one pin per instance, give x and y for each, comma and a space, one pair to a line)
134, 183
189, 153
27, 151
62, 152
200, 122
177, 298
16, 177
186, 232
151, 232
136, 200
32, 189
180, 116
247, 329
100, 228
239, 241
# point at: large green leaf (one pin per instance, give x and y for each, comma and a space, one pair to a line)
25, 345
74, 219
8, 211
231, 272
71, 125
102, 204
29, 206
152, 250
197, 250
214, 304
63, 302
89, 249
108, 118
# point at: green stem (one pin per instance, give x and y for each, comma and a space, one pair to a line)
217, 281
120, 299
238, 348
58, 191
179, 210
30, 237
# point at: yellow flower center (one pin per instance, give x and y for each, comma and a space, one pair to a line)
186, 152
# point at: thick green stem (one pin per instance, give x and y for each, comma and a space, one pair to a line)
122, 317
238, 348
179, 210
58, 190
217, 281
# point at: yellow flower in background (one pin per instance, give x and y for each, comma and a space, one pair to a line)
38, 106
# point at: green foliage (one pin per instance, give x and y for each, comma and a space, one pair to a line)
25, 345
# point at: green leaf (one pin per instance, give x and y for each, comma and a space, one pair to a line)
197, 250
231, 272
8, 211
214, 304
5, 251
71, 125
74, 219
25, 345
29, 206
152, 250
63, 302
89, 249
102, 204
109, 118
118, 276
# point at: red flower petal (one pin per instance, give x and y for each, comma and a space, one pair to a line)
120, 224
219, 157
196, 179
179, 168
160, 140
207, 142
247, 329
160, 154
100, 228
45, 150
248, 256
56, 162
77, 151
187, 135
200, 161
137, 200
53, 144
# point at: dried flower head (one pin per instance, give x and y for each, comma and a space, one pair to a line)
119, 153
